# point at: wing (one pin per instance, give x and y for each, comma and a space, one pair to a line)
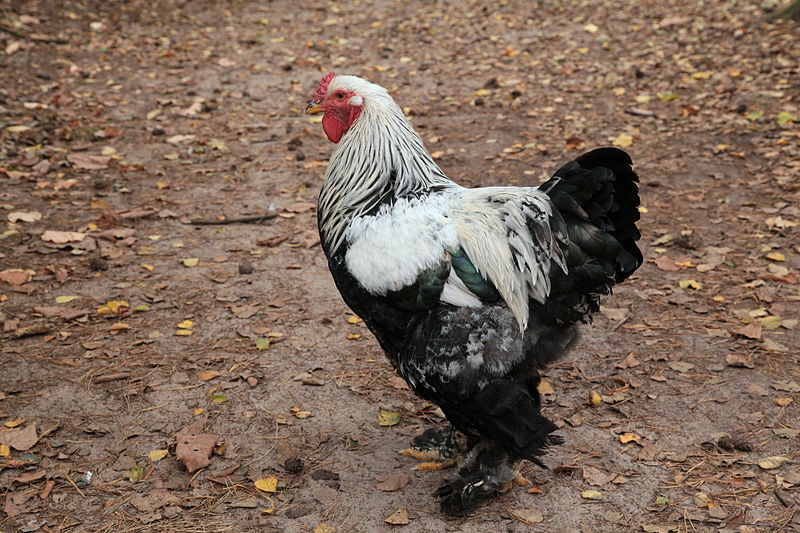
513, 239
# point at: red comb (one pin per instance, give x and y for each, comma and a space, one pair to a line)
322, 88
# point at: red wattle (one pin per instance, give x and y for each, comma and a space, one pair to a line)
333, 128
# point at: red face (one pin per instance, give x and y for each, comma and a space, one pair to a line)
341, 107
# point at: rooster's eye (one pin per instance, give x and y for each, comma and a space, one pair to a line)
340, 95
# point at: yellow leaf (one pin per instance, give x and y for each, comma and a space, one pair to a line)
324, 527
5, 451
388, 418
162, 185
353, 336
545, 387
776, 256
112, 307
217, 144
207, 375
267, 484
299, 413
147, 267
482, 92
65, 299
702, 75
595, 399
771, 322
156, 455
591, 28
186, 324
191, 262
770, 463
591, 495
184, 332
15, 423
642, 98
354, 320
690, 284
628, 436
623, 140
198, 411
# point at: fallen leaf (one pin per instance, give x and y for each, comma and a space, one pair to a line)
88, 161
65, 299
262, 344
393, 482
595, 476
30, 477
659, 528
191, 262
354, 320
690, 284
776, 461
595, 399
388, 418
156, 455
680, 366
207, 375
623, 140
267, 484
750, 331
24, 216
591, 495
630, 361
5, 450
62, 237
776, 256
667, 264
218, 398
629, 436
186, 324
300, 413
324, 527
740, 360
19, 439
545, 387
529, 515
194, 448
16, 276
398, 518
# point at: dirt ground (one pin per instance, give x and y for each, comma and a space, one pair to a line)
126, 124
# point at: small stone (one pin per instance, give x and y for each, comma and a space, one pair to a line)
245, 268
293, 465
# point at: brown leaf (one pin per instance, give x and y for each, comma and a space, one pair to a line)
529, 516
393, 482
30, 477
750, 331
64, 312
19, 439
89, 161
15, 503
740, 360
16, 276
62, 237
666, 264
629, 362
194, 448
596, 477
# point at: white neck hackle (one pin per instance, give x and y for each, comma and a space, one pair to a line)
380, 155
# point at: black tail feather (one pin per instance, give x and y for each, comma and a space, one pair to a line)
598, 198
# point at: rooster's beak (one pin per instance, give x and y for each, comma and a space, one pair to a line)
313, 108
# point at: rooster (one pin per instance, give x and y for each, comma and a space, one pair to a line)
470, 292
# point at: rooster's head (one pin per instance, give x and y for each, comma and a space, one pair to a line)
341, 99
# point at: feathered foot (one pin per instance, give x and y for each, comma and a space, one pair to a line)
436, 448
488, 471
